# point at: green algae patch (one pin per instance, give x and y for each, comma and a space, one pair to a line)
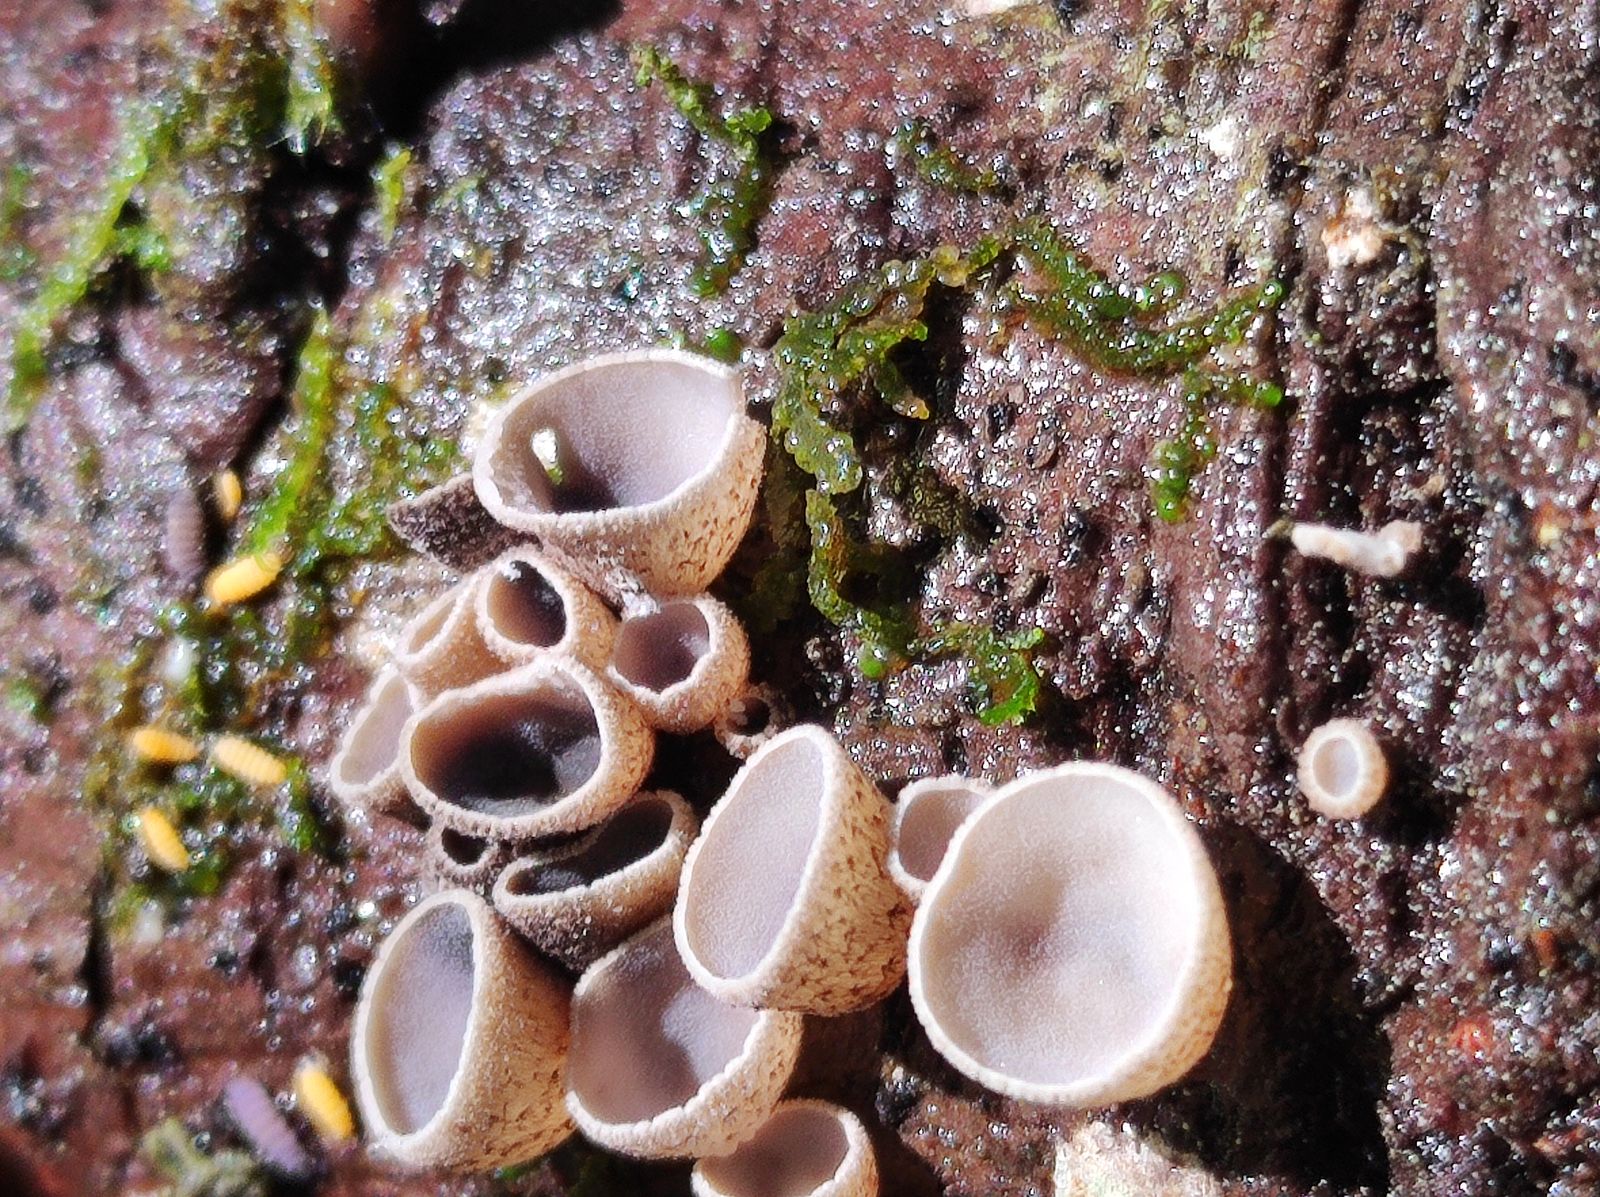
939, 164
390, 179
309, 113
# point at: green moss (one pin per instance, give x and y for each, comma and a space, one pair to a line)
1006, 682
174, 1154
16, 259
389, 182
939, 164
309, 105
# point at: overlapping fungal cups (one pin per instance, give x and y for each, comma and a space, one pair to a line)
1072, 947
786, 901
684, 661
441, 648
806, 1149
579, 903
460, 1042
542, 750
659, 1068
527, 606
639, 469
455, 860
925, 818
365, 772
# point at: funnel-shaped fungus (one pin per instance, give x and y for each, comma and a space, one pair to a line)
449, 524
749, 721
661, 1069
460, 1042
925, 818
683, 662
1382, 554
1342, 769
579, 904
1072, 948
455, 860
365, 772
528, 606
543, 750
641, 469
441, 648
806, 1149
786, 901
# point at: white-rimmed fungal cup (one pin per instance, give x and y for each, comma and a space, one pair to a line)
926, 816
639, 469
455, 860
365, 772
460, 1042
806, 1149
441, 648
578, 904
683, 663
1342, 769
749, 721
528, 606
786, 901
659, 1068
1073, 948
544, 750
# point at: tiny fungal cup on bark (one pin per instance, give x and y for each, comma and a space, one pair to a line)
806, 1149
925, 818
1342, 769
683, 662
1072, 948
441, 648
527, 606
365, 772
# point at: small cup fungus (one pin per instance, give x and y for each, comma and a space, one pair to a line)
365, 772
1072, 948
441, 649
579, 904
1342, 770
683, 662
661, 1069
543, 750
749, 721
527, 606
925, 817
460, 1041
786, 901
1382, 554
640, 469
806, 1149
455, 860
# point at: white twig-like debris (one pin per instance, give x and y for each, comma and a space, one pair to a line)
1382, 554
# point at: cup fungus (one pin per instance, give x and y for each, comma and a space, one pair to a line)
460, 1042
661, 1069
641, 469
683, 662
1342, 769
579, 904
528, 606
925, 817
806, 1149
786, 901
749, 721
441, 648
455, 860
365, 772
1382, 554
543, 750
1072, 948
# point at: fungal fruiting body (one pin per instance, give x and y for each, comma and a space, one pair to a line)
683, 662
656, 468
579, 904
751, 719
365, 772
527, 606
455, 860
659, 1068
441, 648
1382, 554
1342, 769
545, 749
806, 1149
925, 818
786, 901
1072, 947
460, 1041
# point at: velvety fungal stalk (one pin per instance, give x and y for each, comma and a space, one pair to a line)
460, 1042
806, 1149
450, 525
527, 606
455, 860
659, 1068
1342, 769
925, 818
1072, 948
639, 469
365, 772
578, 904
1382, 554
683, 662
441, 648
752, 718
543, 750
786, 901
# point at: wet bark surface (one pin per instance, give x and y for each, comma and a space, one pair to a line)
1415, 1008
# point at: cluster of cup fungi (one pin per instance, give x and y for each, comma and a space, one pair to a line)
1064, 936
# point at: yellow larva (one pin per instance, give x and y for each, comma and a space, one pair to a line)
161, 841
242, 578
161, 746
320, 1100
228, 493
240, 758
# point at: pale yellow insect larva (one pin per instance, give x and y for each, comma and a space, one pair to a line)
320, 1100
161, 747
248, 762
242, 578
228, 493
161, 841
